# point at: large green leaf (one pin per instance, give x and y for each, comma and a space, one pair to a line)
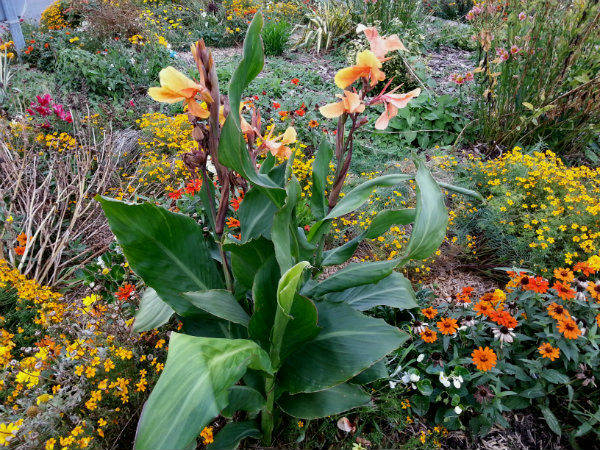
167, 250
283, 229
394, 290
233, 152
220, 303
349, 342
431, 219
286, 296
153, 312
256, 215
247, 257
264, 293
376, 372
243, 398
353, 275
193, 388
232, 434
361, 193
328, 402
318, 197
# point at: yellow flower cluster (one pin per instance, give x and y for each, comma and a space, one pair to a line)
58, 141
82, 345
53, 17
5, 47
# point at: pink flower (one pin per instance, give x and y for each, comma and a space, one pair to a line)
392, 102
522, 16
514, 49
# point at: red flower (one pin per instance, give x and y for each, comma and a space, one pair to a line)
125, 291
300, 112
233, 222
175, 195
276, 105
193, 186
295, 81
537, 284
235, 203
19, 250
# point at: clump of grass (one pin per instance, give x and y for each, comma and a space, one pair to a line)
275, 37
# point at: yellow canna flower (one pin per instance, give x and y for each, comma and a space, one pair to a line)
176, 87
350, 103
367, 66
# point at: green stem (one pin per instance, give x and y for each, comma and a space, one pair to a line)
267, 418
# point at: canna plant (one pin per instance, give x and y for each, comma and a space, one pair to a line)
263, 334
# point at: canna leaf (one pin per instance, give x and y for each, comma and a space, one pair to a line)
256, 215
153, 312
232, 434
220, 303
318, 198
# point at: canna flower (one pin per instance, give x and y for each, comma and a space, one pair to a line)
367, 66
484, 358
279, 146
176, 87
380, 46
351, 103
393, 102
547, 351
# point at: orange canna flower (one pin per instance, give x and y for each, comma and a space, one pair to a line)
380, 46
447, 326
232, 222
279, 146
429, 336
568, 328
367, 66
484, 358
20, 250
547, 351
429, 312
564, 290
350, 103
392, 103
176, 87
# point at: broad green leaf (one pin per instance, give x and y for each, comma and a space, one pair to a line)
232, 434
256, 215
343, 253
167, 250
194, 388
328, 402
318, 198
301, 327
264, 293
153, 312
461, 190
220, 303
353, 275
348, 343
281, 232
247, 258
243, 398
286, 294
551, 420
554, 376
377, 371
394, 291
361, 193
431, 218
233, 152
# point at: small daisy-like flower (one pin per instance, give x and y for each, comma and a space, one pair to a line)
429, 312
594, 290
569, 328
484, 358
504, 334
563, 290
547, 351
557, 311
447, 326
564, 275
429, 336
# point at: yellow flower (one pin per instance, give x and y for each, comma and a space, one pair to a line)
44, 398
367, 66
176, 87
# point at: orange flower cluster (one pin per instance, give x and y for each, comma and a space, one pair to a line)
22, 241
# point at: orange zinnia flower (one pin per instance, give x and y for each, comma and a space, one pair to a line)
504, 318
367, 66
484, 308
429, 312
594, 290
176, 87
547, 351
564, 275
232, 222
537, 284
557, 311
569, 328
484, 358
447, 325
429, 336
585, 268
598, 319
564, 291
351, 103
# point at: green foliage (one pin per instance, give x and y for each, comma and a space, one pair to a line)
429, 121
450, 10
267, 320
327, 26
275, 35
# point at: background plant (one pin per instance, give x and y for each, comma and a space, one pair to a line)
275, 35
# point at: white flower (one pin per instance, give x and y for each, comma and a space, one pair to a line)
421, 357
393, 384
445, 381
414, 377
503, 334
456, 382
360, 28
406, 378
458, 410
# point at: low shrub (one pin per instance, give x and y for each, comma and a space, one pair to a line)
533, 344
276, 35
